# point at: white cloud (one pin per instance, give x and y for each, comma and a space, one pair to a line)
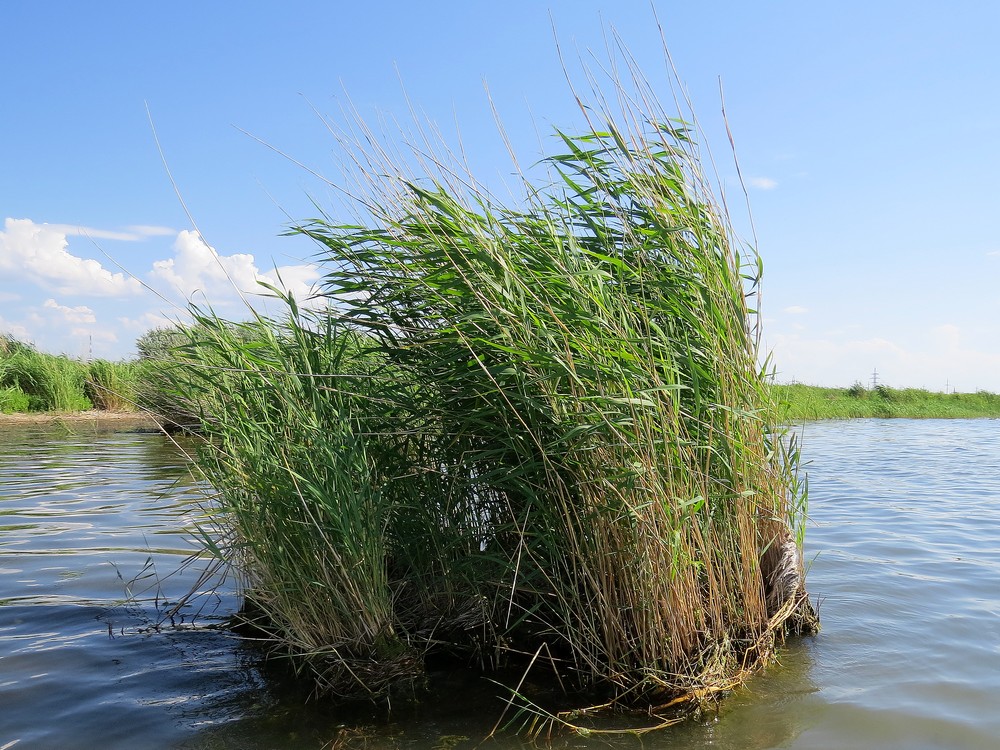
72, 230
147, 321
133, 328
16, 330
796, 310
299, 280
52, 297
37, 253
197, 268
78, 314
763, 183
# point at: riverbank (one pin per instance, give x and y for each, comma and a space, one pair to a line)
799, 402
91, 418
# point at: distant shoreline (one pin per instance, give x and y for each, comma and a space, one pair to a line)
119, 420
797, 402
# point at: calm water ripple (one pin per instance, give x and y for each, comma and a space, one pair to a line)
904, 552
89, 526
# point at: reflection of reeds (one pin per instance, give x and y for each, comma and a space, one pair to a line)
514, 430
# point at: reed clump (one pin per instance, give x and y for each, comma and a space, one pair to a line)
35, 381
538, 429
162, 385
112, 386
31, 380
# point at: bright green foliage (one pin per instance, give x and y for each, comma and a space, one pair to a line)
305, 499
33, 381
805, 402
13, 400
50, 383
512, 429
111, 386
159, 355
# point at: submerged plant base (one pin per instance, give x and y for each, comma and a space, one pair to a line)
340, 673
656, 704
532, 696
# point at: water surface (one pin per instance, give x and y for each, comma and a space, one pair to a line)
904, 544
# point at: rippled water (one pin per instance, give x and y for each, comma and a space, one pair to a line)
905, 551
90, 524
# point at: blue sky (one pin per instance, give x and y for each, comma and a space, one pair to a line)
868, 133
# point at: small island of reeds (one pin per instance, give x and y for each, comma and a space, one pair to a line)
532, 433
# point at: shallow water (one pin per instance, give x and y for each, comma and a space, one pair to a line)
904, 544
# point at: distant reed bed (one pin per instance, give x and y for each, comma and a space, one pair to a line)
797, 402
535, 432
34, 381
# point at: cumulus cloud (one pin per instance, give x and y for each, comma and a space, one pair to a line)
17, 330
56, 298
146, 322
300, 280
763, 183
197, 268
38, 253
796, 310
132, 328
78, 314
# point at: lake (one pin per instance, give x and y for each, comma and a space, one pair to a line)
904, 554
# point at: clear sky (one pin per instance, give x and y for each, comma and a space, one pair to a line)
868, 132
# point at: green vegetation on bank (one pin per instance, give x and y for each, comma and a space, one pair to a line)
31, 381
524, 431
799, 402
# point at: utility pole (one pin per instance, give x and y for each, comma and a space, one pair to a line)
874, 379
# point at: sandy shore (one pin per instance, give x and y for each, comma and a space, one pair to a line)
105, 420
